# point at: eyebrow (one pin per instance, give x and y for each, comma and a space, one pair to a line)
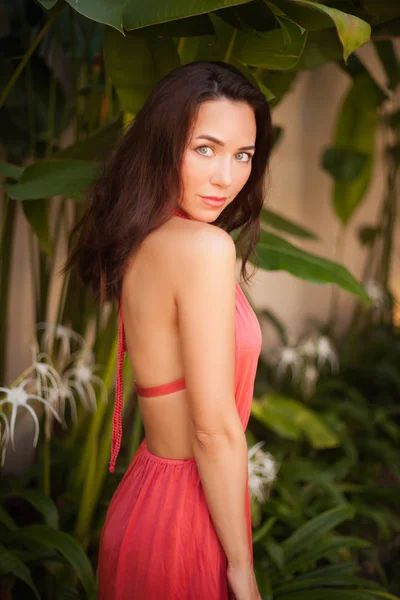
213, 139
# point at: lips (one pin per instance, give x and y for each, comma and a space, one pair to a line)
213, 201
217, 198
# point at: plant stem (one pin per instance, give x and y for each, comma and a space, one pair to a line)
91, 489
390, 223
31, 111
28, 54
5, 265
334, 300
136, 431
51, 116
46, 464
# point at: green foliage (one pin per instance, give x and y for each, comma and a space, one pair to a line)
292, 420
276, 253
272, 219
146, 60
359, 473
311, 537
355, 132
69, 177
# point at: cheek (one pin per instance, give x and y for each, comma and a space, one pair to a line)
193, 169
241, 176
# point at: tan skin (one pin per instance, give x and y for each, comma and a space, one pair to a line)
151, 316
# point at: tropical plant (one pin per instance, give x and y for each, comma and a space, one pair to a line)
311, 562
73, 76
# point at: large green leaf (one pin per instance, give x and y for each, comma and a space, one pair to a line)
251, 77
187, 49
341, 574
70, 549
277, 254
145, 61
48, 3
278, 49
126, 15
278, 82
220, 45
51, 177
43, 503
276, 221
323, 548
11, 564
97, 145
36, 211
291, 419
189, 27
322, 47
309, 533
276, 419
352, 31
6, 520
344, 165
355, 131
10, 170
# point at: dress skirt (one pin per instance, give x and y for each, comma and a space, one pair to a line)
158, 541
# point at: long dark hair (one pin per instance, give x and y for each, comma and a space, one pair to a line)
140, 180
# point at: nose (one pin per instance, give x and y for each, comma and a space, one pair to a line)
222, 172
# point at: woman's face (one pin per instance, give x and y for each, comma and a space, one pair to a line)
217, 167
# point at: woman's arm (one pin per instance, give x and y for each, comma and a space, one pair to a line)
206, 296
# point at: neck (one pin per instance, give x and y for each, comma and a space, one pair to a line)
179, 213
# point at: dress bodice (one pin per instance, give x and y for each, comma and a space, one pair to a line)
247, 350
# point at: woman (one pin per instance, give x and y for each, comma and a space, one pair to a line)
190, 169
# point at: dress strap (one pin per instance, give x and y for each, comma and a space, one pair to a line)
117, 415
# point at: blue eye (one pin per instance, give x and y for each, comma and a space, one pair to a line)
249, 156
200, 147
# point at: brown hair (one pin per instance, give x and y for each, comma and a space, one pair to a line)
140, 180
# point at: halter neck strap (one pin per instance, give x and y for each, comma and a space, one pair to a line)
118, 404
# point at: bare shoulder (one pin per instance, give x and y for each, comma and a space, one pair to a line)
206, 260
205, 244
182, 250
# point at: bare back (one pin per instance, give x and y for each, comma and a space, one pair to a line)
152, 334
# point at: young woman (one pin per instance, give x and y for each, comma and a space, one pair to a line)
156, 238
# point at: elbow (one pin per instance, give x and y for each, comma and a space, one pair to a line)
212, 441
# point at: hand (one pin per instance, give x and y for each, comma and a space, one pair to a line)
242, 583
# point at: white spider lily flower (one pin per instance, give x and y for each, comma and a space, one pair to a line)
61, 332
263, 469
65, 393
289, 357
308, 348
81, 378
60, 395
18, 397
4, 437
376, 292
310, 377
326, 354
47, 377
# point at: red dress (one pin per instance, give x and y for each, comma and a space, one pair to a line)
158, 541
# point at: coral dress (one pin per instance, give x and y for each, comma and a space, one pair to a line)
158, 541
